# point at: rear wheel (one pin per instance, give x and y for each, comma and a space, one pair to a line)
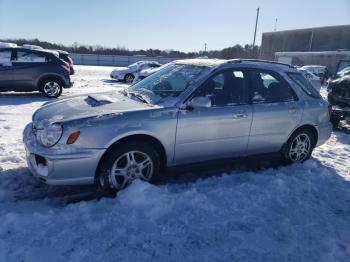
299, 147
51, 88
125, 163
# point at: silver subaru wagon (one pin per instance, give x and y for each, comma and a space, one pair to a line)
189, 111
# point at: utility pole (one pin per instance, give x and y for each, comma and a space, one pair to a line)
256, 25
205, 47
275, 27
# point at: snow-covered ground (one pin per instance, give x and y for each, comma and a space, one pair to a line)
293, 213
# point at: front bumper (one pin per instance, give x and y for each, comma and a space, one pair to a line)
119, 77
69, 84
60, 166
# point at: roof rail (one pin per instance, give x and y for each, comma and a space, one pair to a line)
240, 60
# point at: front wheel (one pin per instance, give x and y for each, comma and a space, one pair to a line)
125, 163
129, 78
51, 88
299, 147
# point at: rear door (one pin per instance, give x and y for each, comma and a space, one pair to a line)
276, 112
6, 74
27, 66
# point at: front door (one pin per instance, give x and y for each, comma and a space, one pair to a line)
220, 131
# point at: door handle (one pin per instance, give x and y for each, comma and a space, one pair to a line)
240, 114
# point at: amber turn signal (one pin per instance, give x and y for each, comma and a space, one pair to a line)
73, 137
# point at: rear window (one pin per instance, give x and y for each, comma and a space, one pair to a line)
304, 84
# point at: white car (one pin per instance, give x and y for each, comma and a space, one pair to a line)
7, 45
146, 72
318, 70
128, 74
313, 79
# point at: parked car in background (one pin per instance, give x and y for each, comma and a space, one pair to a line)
344, 72
145, 73
189, 111
32, 47
314, 80
339, 98
318, 70
65, 57
7, 45
128, 74
24, 69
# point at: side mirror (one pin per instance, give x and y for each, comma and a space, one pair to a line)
199, 102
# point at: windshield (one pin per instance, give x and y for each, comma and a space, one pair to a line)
342, 65
169, 81
135, 64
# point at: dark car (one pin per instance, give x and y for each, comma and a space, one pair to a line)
339, 98
23, 69
65, 57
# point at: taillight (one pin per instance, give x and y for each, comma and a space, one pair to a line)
66, 66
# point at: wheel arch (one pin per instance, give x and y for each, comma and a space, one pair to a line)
136, 137
49, 76
310, 127
129, 73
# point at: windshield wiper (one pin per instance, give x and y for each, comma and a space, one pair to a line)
138, 96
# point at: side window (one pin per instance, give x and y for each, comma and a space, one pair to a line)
270, 88
5, 56
144, 66
226, 88
29, 57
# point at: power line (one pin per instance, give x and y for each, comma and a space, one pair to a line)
256, 25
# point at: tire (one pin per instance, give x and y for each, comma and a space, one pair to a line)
127, 161
299, 147
51, 88
129, 78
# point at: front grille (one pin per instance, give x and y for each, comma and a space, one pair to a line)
40, 160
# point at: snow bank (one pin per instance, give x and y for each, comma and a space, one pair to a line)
298, 213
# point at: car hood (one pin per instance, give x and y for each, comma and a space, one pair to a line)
87, 106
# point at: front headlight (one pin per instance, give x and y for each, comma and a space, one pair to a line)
49, 135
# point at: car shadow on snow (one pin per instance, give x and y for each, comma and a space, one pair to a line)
117, 83
12, 98
21, 186
25, 187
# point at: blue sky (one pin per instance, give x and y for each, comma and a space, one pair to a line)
178, 24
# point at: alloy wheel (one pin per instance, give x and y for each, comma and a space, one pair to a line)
300, 148
51, 88
128, 167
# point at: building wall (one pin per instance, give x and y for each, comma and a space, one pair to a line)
329, 38
113, 60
